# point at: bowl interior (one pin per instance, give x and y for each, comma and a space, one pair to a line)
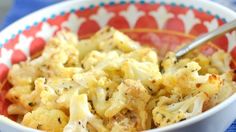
165, 26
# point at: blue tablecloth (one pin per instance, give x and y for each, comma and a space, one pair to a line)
22, 7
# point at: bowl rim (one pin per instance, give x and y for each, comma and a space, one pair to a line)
27, 20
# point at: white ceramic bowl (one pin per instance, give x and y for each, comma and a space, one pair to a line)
176, 21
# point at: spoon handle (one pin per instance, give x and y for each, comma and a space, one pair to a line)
206, 37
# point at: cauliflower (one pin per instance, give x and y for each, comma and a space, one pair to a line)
168, 111
16, 109
48, 99
23, 73
15, 93
102, 61
103, 39
89, 80
123, 122
124, 43
221, 61
63, 41
122, 126
69, 41
99, 101
63, 100
111, 62
144, 55
205, 65
55, 66
80, 115
57, 92
228, 87
191, 82
85, 46
45, 119
147, 72
130, 93
92, 59
60, 57
27, 96
212, 86
168, 64
109, 38
111, 83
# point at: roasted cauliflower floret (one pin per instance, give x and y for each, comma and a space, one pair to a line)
171, 112
130, 93
122, 126
99, 101
63, 41
57, 92
111, 62
23, 74
228, 87
205, 65
221, 61
144, 55
168, 63
89, 80
55, 66
15, 93
46, 119
60, 57
147, 72
92, 59
69, 40
191, 82
80, 115
16, 109
124, 43
109, 38
28, 97
124, 121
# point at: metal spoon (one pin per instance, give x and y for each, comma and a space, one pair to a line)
206, 37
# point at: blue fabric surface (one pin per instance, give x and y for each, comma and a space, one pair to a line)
21, 8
